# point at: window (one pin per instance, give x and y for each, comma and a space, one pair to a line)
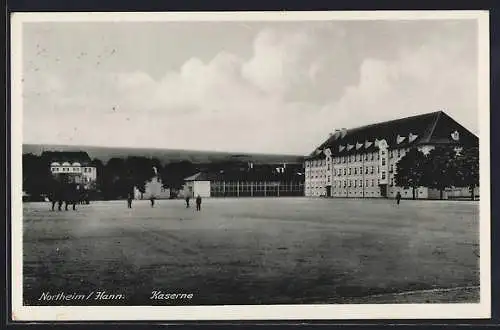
345, 171
355, 170
349, 171
383, 153
328, 166
355, 183
343, 159
352, 158
344, 183
361, 170
391, 154
350, 183
371, 170
328, 179
366, 170
373, 182
361, 183
383, 175
373, 155
378, 169
392, 182
366, 157
383, 161
392, 168
399, 153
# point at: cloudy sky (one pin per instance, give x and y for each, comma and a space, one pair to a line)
273, 87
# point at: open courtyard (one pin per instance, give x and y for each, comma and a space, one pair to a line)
253, 251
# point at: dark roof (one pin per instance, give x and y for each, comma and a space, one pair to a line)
431, 128
201, 176
243, 176
67, 156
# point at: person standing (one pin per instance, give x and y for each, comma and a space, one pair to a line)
187, 201
198, 203
129, 200
152, 199
398, 197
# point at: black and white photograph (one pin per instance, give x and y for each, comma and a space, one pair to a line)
250, 165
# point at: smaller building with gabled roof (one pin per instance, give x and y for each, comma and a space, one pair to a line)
361, 162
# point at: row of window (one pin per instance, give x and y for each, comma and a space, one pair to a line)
357, 157
354, 183
349, 171
344, 193
361, 193
71, 169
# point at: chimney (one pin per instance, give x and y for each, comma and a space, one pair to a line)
343, 132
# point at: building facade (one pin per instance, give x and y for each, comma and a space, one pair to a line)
197, 185
361, 162
75, 167
220, 185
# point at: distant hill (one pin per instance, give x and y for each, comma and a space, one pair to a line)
166, 155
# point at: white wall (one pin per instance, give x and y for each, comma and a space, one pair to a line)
201, 188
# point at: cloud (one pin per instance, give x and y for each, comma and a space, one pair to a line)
267, 102
428, 78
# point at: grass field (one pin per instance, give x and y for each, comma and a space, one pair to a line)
255, 251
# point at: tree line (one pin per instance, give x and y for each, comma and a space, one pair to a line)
117, 177
443, 167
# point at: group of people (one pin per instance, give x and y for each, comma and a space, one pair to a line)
198, 202
152, 199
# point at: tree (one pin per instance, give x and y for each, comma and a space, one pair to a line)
140, 170
410, 170
467, 169
173, 174
115, 179
37, 177
440, 169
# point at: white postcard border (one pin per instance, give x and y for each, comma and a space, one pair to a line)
250, 312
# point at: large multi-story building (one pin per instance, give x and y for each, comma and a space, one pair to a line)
361, 162
75, 166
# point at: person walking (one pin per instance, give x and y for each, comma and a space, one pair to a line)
198, 203
187, 201
152, 199
398, 198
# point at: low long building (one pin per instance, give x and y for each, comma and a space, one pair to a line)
361, 162
279, 183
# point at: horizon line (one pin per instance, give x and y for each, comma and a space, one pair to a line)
163, 149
